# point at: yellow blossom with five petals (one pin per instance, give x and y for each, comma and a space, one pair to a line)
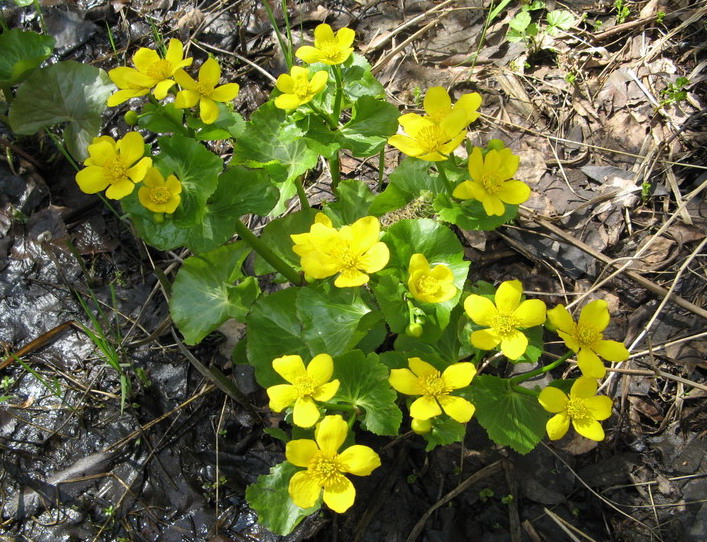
505, 319
306, 385
583, 407
159, 195
586, 338
430, 285
329, 48
438, 105
491, 181
426, 139
205, 91
115, 165
351, 252
326, 466
434, 388
151, 71
297, 88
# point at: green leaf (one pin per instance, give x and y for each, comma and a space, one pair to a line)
277, 236
65, 92
390, 294
510, 418
407, 182
204, 295
364, 383
242, 191
162, 119
229, 125
273, 331
470, 214
353, 201
560, 18
359, 80
373, 121
444, 431
196, 168
21, 53
270, 499
330, 317
520, 22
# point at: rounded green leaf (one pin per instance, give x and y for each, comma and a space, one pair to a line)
21, 53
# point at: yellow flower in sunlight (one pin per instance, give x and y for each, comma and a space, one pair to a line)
115, 165
435, 390
159, 195
305, 387
438, 105
427, 140
352, 251
150, 72
329, 48
205, 91
584, 408
326, 466
491, 181
585, 337
504, 319
430, 285
297, 89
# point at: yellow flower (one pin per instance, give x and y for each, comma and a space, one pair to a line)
491, 181
158, 195
115, 165
297, 89
305, 387
150, 72
438, 105
326, 466
204, 91
329, 48
352, 251
430, 285
435, 389
504, 319
583, 407
585, 337
426, 139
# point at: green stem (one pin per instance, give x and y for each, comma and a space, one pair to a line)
268, 255
334, 169
60, 145
541, 370
381, 169
337, 406
339, 92
524, 391
322, 115
303, 201
447, 183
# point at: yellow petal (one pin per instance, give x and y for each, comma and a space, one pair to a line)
162, 88
350, 278
331, 433
143, 196
120, 189
485, 339
303, 490
375, 258
138, 171
289, 367
424, 408
124, 95
326, 391
128, 78
493, 206
506, 163
175, 51
92, 179
185, 80
319, 81
210, 73
553, 399
321, 368
345, 36
599, 406
588, 428
457, 408
437, 102
186, 99
476, 164
300, 452
611, 350
557, 426
530, 313
464, 190
418, 262
285, 83
340, 496
458, 375
144, 58
359, 460
153, 178
364, 233
131, 147
406, 145
570, 340
308, 54
323, 33
101, 151
595, 315
173, 185
480, 309
453, 143
469, 103
225, 93
287, 102
508, 296
514, 345
172, 204
282, 395
208, 110
454, 123
421, 368
583, 388
305, 412
404, 381
590, 364
514, 192
561, 319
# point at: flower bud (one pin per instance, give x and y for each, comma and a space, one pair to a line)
130, 118
414, 330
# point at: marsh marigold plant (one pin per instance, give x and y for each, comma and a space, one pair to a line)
329, 48
306, 387
505, 319
326, 467
205, 91
586, 338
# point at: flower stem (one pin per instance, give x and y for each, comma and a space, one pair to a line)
337, 406
303, 201
381, 168
268, 255
524, 391
334, 169
541, 370
339, 92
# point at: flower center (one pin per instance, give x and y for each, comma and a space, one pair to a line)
427, 285
491, 183
587, 335
577, 409
326, 470
347, 258
304, 386
159, 194
504, 324
433, 385
301, 89
437, 114
203, 89
431, 138
162, 69
330, 50
117, 170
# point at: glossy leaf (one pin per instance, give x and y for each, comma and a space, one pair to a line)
21, 53
470, 214
408, 182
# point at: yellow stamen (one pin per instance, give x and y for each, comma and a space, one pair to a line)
577, 409
159, 194
433, 385
504, 324
587, 335
326, 470
305, 386
162, 69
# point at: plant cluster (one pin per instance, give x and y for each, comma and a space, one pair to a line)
378, 312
